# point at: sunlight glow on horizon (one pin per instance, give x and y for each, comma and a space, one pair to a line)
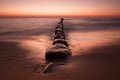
59, 8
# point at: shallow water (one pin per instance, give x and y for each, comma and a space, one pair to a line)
94, 43
34, 34
42, 26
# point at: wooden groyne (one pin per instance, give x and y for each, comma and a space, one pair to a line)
58, 54
60, 48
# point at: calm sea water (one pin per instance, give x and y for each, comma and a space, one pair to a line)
39, 26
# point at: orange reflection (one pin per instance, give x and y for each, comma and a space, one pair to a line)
89, 40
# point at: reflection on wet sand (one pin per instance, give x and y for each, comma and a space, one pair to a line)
96, 56
85, 41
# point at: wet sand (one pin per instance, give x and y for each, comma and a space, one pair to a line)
96, 56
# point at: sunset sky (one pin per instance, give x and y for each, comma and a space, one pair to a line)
59, 8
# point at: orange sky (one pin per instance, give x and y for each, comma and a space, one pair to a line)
59, 8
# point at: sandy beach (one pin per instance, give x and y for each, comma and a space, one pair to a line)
59, 39
95, 56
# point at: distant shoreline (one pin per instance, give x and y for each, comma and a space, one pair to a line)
59, 16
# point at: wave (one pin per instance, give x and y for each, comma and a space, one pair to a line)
39, 26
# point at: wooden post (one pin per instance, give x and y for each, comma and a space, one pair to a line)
60, 50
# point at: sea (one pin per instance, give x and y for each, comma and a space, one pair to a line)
94, 43
45, 26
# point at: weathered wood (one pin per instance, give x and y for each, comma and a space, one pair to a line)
60, 50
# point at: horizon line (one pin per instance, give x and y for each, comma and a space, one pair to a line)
49, 16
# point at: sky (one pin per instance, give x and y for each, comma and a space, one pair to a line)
59, 8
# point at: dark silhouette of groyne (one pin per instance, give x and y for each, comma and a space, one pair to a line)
60, 48
58, 54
